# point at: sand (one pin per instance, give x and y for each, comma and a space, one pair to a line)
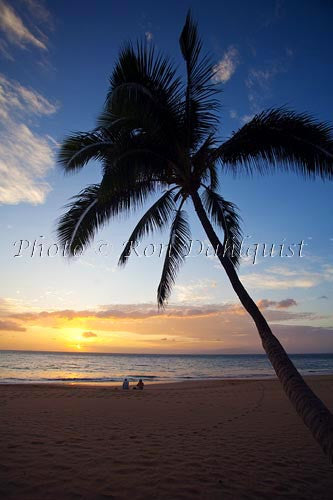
209, 440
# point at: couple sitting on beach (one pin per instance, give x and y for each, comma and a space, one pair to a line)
139, 385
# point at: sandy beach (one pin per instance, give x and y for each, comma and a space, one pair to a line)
217, 439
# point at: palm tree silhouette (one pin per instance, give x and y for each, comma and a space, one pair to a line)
158, 135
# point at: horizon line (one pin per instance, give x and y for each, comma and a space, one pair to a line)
163, 353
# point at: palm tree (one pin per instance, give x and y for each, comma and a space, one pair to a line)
157, 135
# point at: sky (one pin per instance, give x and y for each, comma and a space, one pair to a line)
55, 61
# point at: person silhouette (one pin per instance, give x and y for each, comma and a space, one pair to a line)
125, 384
140, 384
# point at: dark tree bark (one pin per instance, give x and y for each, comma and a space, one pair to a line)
309, 407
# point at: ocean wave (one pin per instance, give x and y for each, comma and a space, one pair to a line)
75, 379
111, 369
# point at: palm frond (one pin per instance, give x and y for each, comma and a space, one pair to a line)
204, 168
144, 88
142, 70
175, 255
85, 215
200, 106
78, 149
136, 156
137, 165
109, 121
93, 207
280, 139
224, 215
213, 176
190, 43
155, 218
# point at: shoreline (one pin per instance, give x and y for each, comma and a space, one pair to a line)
149, 383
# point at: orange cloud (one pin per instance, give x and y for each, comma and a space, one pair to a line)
282, 304
179, 329
88, 335
127, 311
8, 325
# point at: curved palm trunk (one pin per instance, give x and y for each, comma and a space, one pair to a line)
311, 409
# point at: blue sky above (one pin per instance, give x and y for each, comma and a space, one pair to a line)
55, 60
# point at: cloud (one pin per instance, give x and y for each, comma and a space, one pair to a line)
4, 51
15, 31
267, 281
197, 292
39, 12
11, 326
125, 312
149, 36
324, 297
207, 328
242, 119
259, 80
132, 313
246, 118
279, 278
261, 77
282, 304
279, 315
33, 101
88, 335
25, 157
258, 83
299, 338
7, 306
14, 98
226, 67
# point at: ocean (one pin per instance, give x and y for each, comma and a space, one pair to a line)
60, 367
